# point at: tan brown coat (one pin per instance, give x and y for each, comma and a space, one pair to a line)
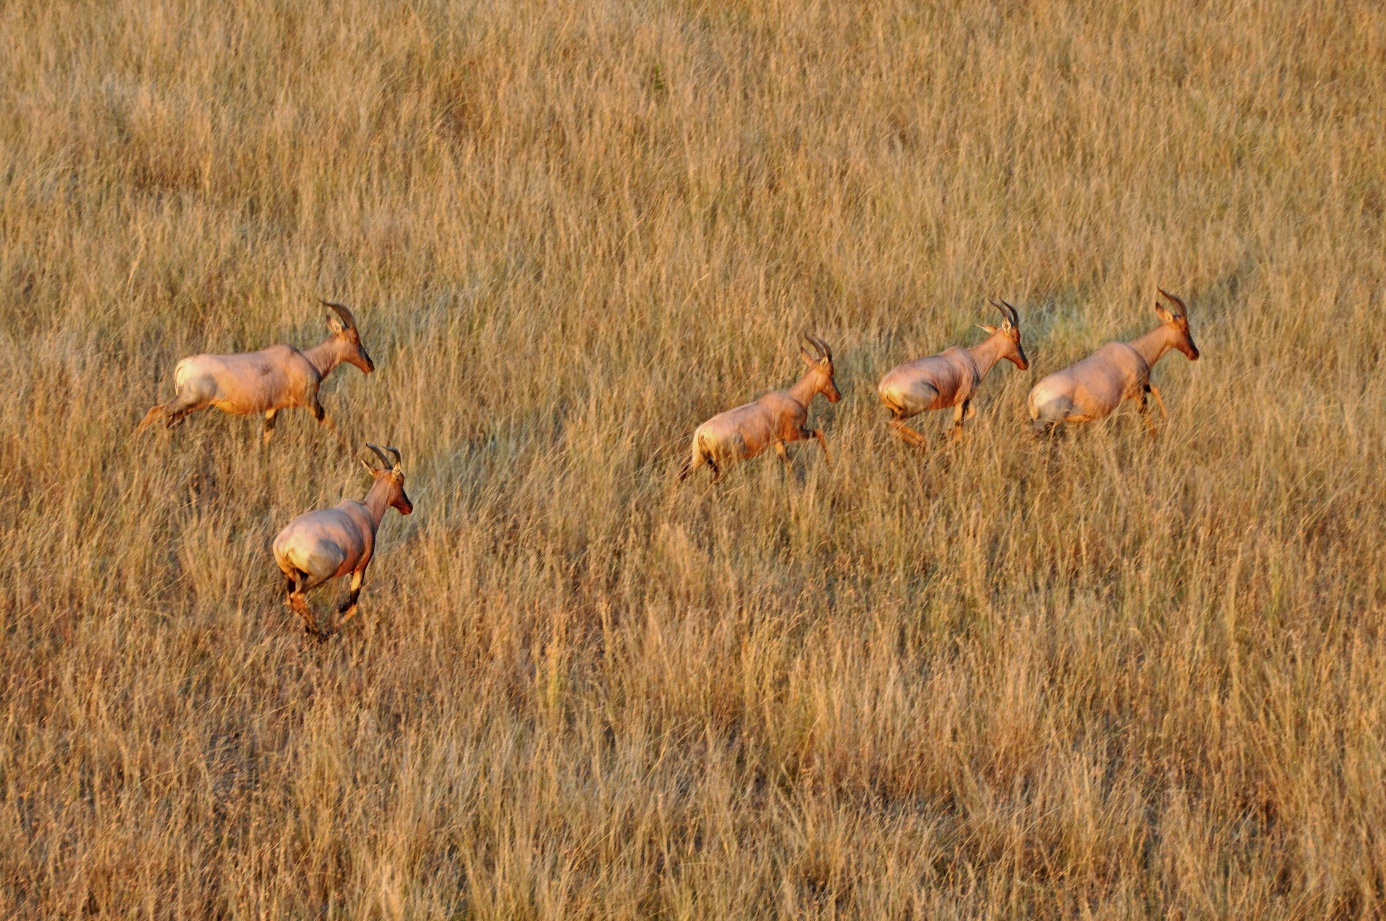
775, 419
1094, 387
329, 543
279, 377
949, 380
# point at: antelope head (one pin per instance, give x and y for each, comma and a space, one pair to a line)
820, 364
343, 329
1178, 321
1009, 334
393, 475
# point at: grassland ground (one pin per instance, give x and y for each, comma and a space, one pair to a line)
1101, 676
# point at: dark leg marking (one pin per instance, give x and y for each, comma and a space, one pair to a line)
1144, 408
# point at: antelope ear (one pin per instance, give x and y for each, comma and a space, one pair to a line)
334, 324
369, 469
1164, 315
988, 329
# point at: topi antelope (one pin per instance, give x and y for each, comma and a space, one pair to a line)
1118, 371
279, 377
950, 378
322, 545
774, 419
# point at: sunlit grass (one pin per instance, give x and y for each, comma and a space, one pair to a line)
1102, 675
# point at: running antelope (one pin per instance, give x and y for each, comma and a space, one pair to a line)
1118, 371
322, 545
775, 419
279, 377
950, 378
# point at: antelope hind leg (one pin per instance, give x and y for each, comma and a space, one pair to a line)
151, 417
180, 407
172, 412
906, 434
299, 605
1046, 419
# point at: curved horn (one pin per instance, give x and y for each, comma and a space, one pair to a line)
1015, 314
1183, 308
384, 461
811, 341
1001, 306
341, 311
822, 347
395, 451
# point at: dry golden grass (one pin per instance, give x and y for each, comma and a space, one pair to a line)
1104, 676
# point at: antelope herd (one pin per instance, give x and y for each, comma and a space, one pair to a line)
330, 543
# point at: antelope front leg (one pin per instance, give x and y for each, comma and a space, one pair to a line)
1155, 391
347, 609
320, 414
961, 412
822, 443
1144, 408
270, 417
